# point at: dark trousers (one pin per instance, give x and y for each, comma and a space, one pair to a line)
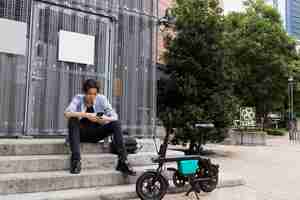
92, 133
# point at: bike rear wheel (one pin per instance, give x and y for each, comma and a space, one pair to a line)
213, 174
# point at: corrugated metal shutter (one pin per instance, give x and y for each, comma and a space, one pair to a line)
12, 75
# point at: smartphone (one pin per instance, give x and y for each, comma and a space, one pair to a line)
100, 114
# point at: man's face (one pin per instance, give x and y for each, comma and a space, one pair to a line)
91, 94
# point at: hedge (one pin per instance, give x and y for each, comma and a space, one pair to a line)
276, 132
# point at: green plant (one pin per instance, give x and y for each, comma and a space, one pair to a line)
276, 132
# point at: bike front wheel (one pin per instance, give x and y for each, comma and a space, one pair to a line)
151, 186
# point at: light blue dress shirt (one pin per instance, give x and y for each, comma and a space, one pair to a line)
101, 104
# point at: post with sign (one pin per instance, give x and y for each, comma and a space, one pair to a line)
247, 120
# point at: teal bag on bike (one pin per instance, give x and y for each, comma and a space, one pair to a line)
188, 167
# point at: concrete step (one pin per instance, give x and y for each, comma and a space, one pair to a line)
120, 192
43, 163
60, 180
11, 183
40, 163
20, 147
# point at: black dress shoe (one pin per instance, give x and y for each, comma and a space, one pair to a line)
124, 167
75, 167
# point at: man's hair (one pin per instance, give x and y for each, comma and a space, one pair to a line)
90, 83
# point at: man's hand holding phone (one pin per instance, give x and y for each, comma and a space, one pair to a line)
102, 119
98, 118
92, 117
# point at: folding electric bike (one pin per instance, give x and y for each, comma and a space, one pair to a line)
199, 172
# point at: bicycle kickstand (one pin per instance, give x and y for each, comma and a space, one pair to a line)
192, 190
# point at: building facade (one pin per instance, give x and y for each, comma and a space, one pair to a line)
281, 6
163, 6
290, 15
48, 47
293, 18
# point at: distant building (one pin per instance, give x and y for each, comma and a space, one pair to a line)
288, 9
221, 2
281, 6
290, 15
293, 18
163, 5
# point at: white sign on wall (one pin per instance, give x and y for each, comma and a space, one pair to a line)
13, 36
76, 47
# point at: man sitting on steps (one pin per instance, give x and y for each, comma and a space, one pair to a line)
85, 126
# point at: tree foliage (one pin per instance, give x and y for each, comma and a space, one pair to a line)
198, 86
217, 63
261, 54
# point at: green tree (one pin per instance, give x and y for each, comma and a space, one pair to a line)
295, 67
198, 84
260, 54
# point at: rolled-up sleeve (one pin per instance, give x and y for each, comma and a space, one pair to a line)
108, 110
72, 107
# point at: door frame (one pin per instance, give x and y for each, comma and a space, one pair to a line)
108, 70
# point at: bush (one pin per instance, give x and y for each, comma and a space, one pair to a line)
249, 129
276, 132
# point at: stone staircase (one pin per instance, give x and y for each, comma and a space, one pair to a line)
37, 169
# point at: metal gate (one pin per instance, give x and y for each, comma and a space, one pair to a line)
36, 87
52, 82
12, 75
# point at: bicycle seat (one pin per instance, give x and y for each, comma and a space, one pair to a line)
204, 125
177, 158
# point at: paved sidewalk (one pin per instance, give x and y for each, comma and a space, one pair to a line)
271, 172
235, 193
